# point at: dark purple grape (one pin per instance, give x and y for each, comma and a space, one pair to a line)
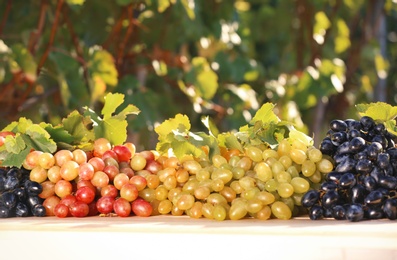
380, 129
34, 188
8, 199
339, 212
361, 156
347, 180
355, 213
38, 210
327, 147
4, 212
364, 166
338, 138
2, 183
343, 148
34, 200
388, 182
382, 140
357, 144
338, 125
347, 165
21, 210
328, 185
20, 193
370, 183
330, 199
11, 183
390, 209
373, 150
383, 160
357, 194
338, 158
374, 198
374, 213
367, 123
334, 176
353, 133
376, 173
316, 212
310, 198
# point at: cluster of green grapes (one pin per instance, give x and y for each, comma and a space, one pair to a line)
260, 182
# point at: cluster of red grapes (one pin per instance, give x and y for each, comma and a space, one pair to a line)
78, 183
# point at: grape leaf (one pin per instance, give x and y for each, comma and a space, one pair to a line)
58, 133
391, 127
12, 159
229, 140
111, 127
379, 111
77, 126
14, 144
265, 114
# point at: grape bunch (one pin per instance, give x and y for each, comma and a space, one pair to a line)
19, 196
364, 181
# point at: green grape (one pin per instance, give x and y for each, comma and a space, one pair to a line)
161, 193
235, 185
219, 212
277, 167
165, 206
174, 192
308, 168
193, 167
234, 160
325, 166
228, 193
245, 163
265, 197
270, 153
280, 210
238, 173
284, 148
185, 201
289, 202
203, 174
297, 197
314, 154
271, 185
254, 153
170, 182
300, 184
285, 190
191, 185
250, 193
254, 205
216, 198
264, 214
293, 171
217, 185
237, 211
207, 210
263, 171
283, 176
298, 156
196, 210
286, 161
247, 182
223, 174
202, 192
218, 160
316, 177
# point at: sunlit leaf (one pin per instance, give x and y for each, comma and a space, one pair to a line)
342, 40
25, 61
102, 64
379, 111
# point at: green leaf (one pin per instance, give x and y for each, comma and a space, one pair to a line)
342, 40
24, 61
298, 135
112, 102
203, 78
101, 64
14, 144
391, 127
78, 126
265, 114
189, 9
179, 122
213, 130
75, 2
229, 140
322, 23
58, 133
12, 159
163, 5
379, 111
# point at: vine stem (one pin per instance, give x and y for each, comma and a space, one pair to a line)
52, 36
5, 16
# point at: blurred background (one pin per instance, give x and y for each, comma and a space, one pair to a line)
314, 59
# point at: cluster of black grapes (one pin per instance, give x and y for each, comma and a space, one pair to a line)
364, 181
19, 195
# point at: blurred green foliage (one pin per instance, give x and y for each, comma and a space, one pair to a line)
314, 59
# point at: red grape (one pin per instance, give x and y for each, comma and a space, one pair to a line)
122, 207
61, 211
141, 208
105, 204
123, 153
85, 194
79, 209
